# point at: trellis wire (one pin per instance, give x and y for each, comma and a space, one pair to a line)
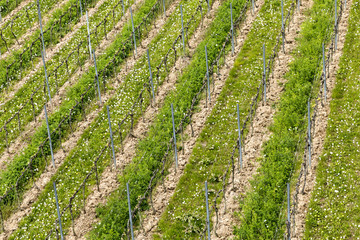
79, 104
248, 118
318, 100
73, 7
130, 114
9, 7
10, 23
13, 67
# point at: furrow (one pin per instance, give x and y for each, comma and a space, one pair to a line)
31, 196
131, 89
23, 140
255, 140
14, 12
49, 53
319, 133
35, 25
109, 180
161, 196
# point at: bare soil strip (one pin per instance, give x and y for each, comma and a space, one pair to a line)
161, 196
23, 38
108, 181
50, 52
14, 12
319, 133
259, 134
23, 140
32, 194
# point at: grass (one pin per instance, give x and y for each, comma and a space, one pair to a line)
7, 6
79, 161
259, 214
151, 150
13, 171
185, 215
334, 207
27, 16
19, 70
62, 75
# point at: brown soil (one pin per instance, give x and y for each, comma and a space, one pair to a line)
24, 38
319, 133
162, 196
49, 52
84, 224
31, 195
22, 141
14, 12
258, 136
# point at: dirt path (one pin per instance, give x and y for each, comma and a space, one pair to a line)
162, 196
108, 182
21, 142
319, 133
35, 25
14, 12
32, 194
50, 52
260, 133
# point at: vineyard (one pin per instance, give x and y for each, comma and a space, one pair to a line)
179, 119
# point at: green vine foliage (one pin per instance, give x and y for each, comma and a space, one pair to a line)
334, 207
262, 205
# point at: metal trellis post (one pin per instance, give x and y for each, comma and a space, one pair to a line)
88, 29
58, 211
130, 214
42, 34
207, 211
